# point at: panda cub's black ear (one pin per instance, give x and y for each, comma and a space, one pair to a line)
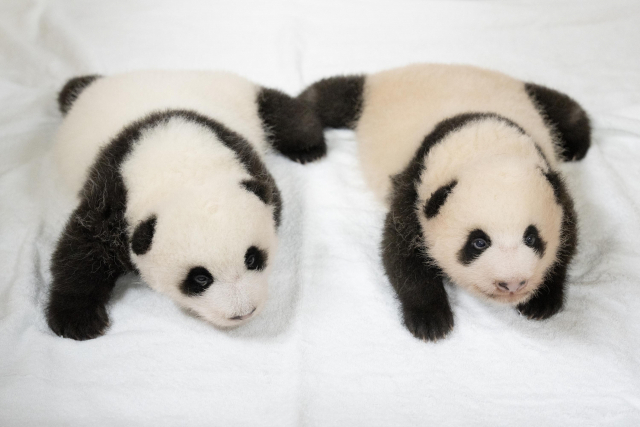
143, 236
437, 199
260, 189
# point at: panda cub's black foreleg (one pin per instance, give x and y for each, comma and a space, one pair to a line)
425, 305
292, 126
549, 298
85, 267
566, 117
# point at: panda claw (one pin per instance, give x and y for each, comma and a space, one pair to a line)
539, 309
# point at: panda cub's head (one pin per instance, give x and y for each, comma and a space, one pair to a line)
210, 249
488, 211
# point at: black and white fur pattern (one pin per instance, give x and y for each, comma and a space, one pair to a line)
467, 162
171, 184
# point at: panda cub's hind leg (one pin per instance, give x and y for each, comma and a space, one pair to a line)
292, 126
566, 117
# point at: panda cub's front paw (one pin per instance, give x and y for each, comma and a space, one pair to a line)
539, 308
429, 325
77, 319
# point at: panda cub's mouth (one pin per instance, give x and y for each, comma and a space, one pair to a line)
243, 316
509, 298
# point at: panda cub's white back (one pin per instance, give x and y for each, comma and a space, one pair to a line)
109, 104
405, 104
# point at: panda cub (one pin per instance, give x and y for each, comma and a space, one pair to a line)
466, 160
171, 183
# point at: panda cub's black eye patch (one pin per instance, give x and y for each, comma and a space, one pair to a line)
532, 239
197, 281
477, 242
255, 259
437, 199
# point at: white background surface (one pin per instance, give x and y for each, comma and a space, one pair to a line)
330, 349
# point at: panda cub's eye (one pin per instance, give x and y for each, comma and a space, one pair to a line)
255, 259
202, 280
476, 244
197, 281
530, 240
534, 240
479, 243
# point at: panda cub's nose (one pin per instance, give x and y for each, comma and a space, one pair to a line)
511, 285
244, 316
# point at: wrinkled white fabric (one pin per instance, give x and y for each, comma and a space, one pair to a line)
329, 349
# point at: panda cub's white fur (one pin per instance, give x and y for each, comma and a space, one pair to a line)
168, 170
466, 160
108, 104
405, 104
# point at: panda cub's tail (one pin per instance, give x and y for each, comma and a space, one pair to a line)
72, 89
336, 100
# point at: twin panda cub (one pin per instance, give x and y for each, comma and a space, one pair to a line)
465, 159
168, 168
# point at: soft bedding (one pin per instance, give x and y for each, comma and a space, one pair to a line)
329, 349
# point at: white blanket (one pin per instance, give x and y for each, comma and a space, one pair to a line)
330, 349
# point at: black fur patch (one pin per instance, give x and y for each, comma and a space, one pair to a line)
337, 101
72, 89
565, 117
469, 253
538, 244
93, 250
414, 276
259, 189
542, 155
143, 236
291, 126
255, 259
556, 183
437, 199
197, 281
